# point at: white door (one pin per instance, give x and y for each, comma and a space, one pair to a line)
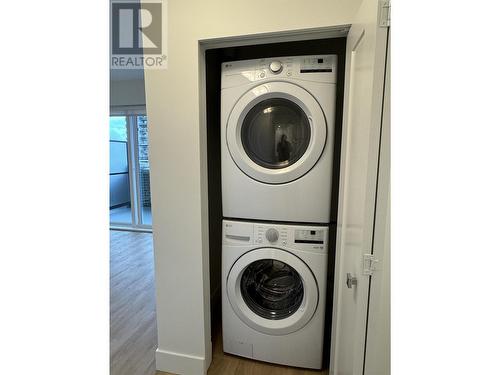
276, 132
378, 338
365, 68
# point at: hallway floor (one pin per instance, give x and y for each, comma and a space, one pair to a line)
133, 339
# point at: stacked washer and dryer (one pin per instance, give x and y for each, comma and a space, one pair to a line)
277, 127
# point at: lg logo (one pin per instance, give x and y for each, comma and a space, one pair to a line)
136, 28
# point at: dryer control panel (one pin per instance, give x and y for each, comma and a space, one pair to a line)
300, 237
315, 68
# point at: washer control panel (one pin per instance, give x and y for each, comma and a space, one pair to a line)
299, 237
289, 236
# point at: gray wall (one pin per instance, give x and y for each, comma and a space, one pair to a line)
119, 192
127, 92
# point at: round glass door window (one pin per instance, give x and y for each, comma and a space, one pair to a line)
275, 133
272, 289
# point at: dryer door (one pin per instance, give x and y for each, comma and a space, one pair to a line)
272, 291
276, 132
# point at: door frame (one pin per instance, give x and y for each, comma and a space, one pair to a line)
297, 35
233, 41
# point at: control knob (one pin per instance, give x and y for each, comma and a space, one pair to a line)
276, 67
272, 235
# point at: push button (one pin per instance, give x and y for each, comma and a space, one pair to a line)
275, 67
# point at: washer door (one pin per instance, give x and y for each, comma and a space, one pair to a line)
276, 132
272, 291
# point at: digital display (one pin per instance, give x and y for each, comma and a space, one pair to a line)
317, 65
309, 236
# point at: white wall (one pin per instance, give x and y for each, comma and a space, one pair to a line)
127, 92
178, 166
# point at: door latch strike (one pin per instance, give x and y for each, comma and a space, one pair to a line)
369, 262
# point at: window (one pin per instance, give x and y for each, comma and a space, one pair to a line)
130, 196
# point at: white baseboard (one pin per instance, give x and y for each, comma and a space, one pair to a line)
182, 364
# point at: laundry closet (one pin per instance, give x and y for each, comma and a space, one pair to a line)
274, 168
279, 185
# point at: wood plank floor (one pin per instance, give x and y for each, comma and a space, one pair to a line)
133, 339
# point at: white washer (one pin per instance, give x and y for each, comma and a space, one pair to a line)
273, 292
277, 131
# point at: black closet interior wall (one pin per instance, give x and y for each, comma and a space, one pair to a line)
213, 60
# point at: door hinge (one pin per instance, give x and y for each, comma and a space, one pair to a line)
369, 262
385, 13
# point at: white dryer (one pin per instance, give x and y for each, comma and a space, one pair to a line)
277, 131
273, 292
